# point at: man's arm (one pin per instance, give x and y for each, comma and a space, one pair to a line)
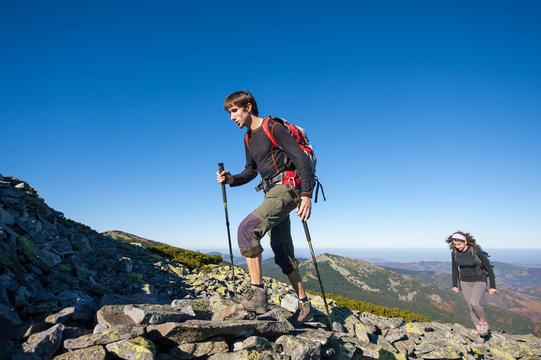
249, 172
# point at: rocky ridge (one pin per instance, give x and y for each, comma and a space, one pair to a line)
68, 292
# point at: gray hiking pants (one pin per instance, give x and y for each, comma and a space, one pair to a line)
473, 293
272, 216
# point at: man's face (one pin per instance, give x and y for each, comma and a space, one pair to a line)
459, 245
240, 115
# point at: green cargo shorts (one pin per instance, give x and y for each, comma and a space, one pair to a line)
271, 216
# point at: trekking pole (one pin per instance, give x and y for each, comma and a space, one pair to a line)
309, 239
220, 169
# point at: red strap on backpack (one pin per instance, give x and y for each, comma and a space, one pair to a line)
267, 132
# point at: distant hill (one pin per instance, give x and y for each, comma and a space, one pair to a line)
131, 239
359, 280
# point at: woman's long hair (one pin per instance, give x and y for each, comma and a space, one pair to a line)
471, 241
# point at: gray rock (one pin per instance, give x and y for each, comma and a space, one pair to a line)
72, 297
392, 335
62, 246
319, 336
91, 353
247, 354
193, 331
195, 350
124, 264
42, 308
84, 310
8, 316
74, 332
63, 316
22, 297
156, 314
299, 349
290, 302
337, 327
9, 349
6, 218
216, 303
44, 344
23, 331
137, 348
232, 312
405, 346
99, 328
112, 334
112, 315
253, 343
276, 313
445, 352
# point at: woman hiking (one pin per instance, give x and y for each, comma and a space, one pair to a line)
469, 264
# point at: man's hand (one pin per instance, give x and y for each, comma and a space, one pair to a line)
305, 208
492, 291
224, 176
455, 289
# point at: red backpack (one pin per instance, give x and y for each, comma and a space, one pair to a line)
299, 134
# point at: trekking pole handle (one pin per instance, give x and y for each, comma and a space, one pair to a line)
220, 169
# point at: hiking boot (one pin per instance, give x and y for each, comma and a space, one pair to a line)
483, 328
255, 299
305, 312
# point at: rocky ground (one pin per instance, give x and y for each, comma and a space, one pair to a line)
68, 292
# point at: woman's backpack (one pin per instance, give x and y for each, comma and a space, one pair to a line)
473, 250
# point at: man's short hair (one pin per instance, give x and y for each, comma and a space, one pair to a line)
241, 99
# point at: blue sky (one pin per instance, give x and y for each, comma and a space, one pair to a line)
425, 115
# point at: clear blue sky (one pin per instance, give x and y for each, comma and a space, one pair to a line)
425, 115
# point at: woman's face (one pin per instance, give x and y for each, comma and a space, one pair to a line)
459, 245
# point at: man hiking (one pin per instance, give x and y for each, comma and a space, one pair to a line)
282, 194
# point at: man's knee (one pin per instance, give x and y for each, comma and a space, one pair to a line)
284, 260
246, 231
254, 251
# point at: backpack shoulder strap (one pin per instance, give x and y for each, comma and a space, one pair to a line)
475, 256
268, 132
246, 140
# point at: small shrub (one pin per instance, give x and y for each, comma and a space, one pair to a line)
190, 259
376, 309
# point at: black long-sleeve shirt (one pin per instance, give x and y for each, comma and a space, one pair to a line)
470, 270
269, 160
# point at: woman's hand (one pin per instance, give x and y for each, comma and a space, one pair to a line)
492, 291
455, 289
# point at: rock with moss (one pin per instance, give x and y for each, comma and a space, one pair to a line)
250, 355
91, 353
198, 330
196, 350
44, 344
138, 348
299, 348
113, 334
